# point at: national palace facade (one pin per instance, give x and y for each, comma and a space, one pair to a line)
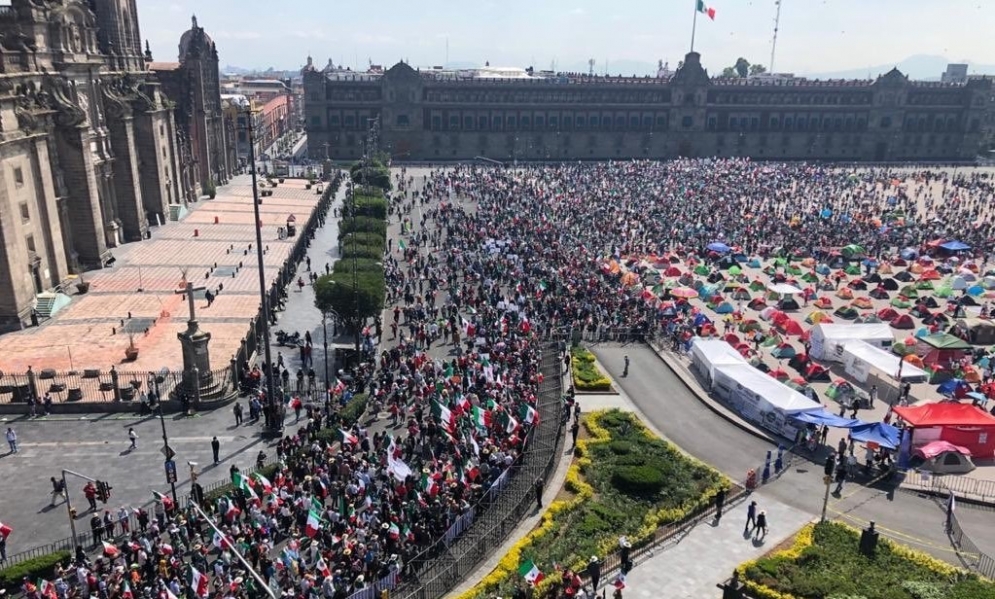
459, 115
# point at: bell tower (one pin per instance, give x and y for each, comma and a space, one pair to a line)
118, 33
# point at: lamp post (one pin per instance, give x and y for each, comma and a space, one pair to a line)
274, 419
167, 450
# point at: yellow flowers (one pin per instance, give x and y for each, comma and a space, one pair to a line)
557, 512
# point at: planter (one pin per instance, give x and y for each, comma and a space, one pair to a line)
307, 186
131, 354
127, 393
280, 179
75, 394
82, 287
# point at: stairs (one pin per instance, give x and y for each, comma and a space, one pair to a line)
48, 304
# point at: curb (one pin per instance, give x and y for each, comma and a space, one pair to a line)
708, 403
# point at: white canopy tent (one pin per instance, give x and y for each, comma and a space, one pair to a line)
761, 398
784, 288
859, 357
707, 354
828, 340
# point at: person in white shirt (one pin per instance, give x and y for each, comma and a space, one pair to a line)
12, 440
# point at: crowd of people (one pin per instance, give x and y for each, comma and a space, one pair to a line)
490, 263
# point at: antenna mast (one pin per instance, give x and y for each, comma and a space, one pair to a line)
773, 45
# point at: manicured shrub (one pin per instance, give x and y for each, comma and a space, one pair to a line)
620, 447
42, 566
586, 375
363, 224
362, 252
638, 480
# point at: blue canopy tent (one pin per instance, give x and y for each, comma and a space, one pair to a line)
883, 434
700, 320
718, 246
955, 246
825, 417
951, 386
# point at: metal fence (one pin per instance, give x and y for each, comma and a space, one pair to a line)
963, 486
93, 385
443, 565
967, 551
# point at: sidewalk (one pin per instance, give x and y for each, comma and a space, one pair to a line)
709, 553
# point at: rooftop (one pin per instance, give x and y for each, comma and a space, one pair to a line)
163, 66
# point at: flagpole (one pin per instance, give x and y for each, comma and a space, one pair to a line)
694, 23
251, 570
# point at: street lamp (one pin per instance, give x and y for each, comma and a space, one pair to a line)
274, 417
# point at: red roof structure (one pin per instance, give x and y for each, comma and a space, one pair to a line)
945, 414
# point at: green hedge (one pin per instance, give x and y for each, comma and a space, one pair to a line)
363, 224
362, 252
362, 238
348, 415
638, 480
369, 205
42, 566
586, 375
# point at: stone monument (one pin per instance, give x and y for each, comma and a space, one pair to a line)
196, 357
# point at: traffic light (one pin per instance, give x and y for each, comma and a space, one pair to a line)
830, 465
103, 491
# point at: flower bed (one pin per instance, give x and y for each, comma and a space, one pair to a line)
586, 374
599, 511
824, 563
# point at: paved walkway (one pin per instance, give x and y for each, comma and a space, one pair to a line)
88, 333
709, 553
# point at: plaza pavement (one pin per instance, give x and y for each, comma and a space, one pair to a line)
82, 335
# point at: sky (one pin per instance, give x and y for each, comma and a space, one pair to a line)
816, 36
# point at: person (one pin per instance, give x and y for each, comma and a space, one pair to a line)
237, 410
58, 488
872, 395
216, 449
594, 572
625, 370
751, 518
97, 528
574, 429
720, 500
90, 492
761, 526
12, 440
625, 554
538, 491
133, 437
840, 476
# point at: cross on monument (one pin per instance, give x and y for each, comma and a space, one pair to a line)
189, 291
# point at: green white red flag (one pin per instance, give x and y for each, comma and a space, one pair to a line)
313, 523
530, 572
198, 582
706, 10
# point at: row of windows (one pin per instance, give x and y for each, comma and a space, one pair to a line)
761, 99
786, 123
440, 122
549, 97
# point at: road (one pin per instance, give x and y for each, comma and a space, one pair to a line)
682, 418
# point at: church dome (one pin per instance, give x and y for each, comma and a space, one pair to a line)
194, 40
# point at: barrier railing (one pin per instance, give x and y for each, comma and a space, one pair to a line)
94, 385
443, 565
969, 553
964, 486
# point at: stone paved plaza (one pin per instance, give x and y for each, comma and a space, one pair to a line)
82, 334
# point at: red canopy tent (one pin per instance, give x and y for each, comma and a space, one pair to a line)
961, 424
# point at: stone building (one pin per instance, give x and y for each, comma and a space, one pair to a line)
194, 84
88, 158
509, 114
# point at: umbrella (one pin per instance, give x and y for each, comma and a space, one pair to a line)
684, 292
718, 246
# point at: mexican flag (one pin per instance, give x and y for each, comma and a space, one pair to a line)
481, 417
198, 582
428, 484
126, 591
110, 550
706, 10
313, 523
264, 482
221, 541
347, 437
443, 415
232, 510
512, 425
394, 531
530, 572
242, 482
166, 501
323, 568
530, 415
47, 589
408, 534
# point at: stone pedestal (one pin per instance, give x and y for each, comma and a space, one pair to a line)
196, 358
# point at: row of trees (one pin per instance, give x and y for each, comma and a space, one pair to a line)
355, 290
744, 69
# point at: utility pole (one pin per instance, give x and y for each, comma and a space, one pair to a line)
69, 503
274, 417
255, 575
168, 452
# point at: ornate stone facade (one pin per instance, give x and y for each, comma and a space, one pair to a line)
435, 115
87, 144
194, 84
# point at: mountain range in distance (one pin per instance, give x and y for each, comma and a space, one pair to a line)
922, 67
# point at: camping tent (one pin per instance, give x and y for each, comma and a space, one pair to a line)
961, 424
859, 357
941, 348
943, 458
828, 339
707, 354
761, 398
976, 330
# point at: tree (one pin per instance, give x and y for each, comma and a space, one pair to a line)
729, 72
353, 297
757, 69
742, 67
